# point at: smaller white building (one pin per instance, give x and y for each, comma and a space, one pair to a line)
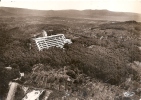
44, 33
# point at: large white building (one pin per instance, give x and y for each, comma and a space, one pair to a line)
49, 41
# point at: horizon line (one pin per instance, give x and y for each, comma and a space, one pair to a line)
65, 9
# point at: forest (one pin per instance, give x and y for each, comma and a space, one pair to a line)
105, 51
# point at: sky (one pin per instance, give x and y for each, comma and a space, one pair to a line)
112, 5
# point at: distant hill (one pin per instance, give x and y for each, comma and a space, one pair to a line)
5, 13
90, 14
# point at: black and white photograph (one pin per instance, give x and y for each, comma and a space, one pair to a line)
70, 49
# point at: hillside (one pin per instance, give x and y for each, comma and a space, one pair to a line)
104, 58
91, 14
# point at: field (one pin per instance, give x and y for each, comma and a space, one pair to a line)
103, 51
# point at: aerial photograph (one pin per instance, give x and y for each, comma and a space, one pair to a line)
70, 49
